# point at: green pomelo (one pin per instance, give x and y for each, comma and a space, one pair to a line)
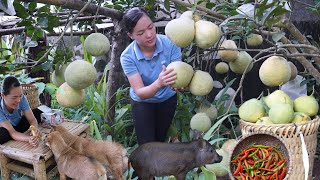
239, 65
251, 110
254, 40
300, 117
276, 97
180, 31
220, 169
294, 71
306, 104
211, 111
200, 122
201, 83
190, 15
206, 33
184, 73
80, 74
58, 75
264, 120
69, 97
97, 44
228, 55
281, 113
275, 71
229, 145
222, 68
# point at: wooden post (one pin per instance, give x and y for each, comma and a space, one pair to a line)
5, 172
40, 170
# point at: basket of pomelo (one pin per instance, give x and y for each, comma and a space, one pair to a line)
277, 114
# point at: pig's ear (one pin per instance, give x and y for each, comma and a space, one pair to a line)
194, 134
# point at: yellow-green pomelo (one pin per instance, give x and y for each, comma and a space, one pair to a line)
264, 120
294, 70
276, 97
254, 40
281, 113
180, 31
200, 122
229, 145
190, 15
239, 65
184, 73
80, 74
97, 44
222, 68
210, 110
251, 110
275, 71
69, 97
206, 33
58, 75
228, 55
220, 169
306, 104
201, 83
300, 117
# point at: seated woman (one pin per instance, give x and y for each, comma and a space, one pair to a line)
16, 115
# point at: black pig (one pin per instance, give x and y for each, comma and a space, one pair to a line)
165, 159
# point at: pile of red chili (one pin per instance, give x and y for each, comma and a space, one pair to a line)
259, 162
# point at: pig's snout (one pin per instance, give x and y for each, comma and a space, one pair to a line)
219, 159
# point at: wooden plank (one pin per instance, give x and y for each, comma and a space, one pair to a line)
40, 169
5, 172
21, 169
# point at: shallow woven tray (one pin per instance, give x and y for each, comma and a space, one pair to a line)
264, 139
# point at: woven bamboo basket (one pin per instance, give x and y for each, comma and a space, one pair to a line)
290, 133
267, 139
31, 92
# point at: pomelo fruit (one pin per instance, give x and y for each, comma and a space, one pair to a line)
69, 97
228, 55
222, 68
239, 65
275, 71
229, 145
190, 15
97, 44
294, 70
206, 33
210, 110
201, 83
200, 122
264, 120
300, 117
251, 110
184, 73
180, 31
276, 97
281, 113
58, 75
254, 39
220, 169
80, 74
306, 104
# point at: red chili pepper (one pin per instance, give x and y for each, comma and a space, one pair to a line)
244, 156
280, 162
256, 178
236, 172
283, 173
251, 161
260, 154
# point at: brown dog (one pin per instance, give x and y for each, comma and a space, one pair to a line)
111, 154
71, 163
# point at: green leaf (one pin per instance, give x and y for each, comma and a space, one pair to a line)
32, 6
31, 44
43, 22
167, 5
209, 133
208, 174
277, 36
20, 10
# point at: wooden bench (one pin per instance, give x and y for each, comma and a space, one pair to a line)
37, 162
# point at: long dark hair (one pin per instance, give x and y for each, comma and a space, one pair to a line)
9, 83
132, 16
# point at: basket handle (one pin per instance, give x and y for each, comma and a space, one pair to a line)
305, 157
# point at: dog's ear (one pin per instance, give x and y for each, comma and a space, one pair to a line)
194, 134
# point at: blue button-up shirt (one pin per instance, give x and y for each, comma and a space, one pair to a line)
16, 115
133, 61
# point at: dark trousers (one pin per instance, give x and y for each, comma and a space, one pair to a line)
21, 127
152, 120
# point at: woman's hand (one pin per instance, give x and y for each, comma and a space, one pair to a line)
167, 76
36, 136
34, 141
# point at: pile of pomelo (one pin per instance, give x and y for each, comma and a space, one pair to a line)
73, 78
278, 108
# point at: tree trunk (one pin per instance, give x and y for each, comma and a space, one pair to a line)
119, 42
